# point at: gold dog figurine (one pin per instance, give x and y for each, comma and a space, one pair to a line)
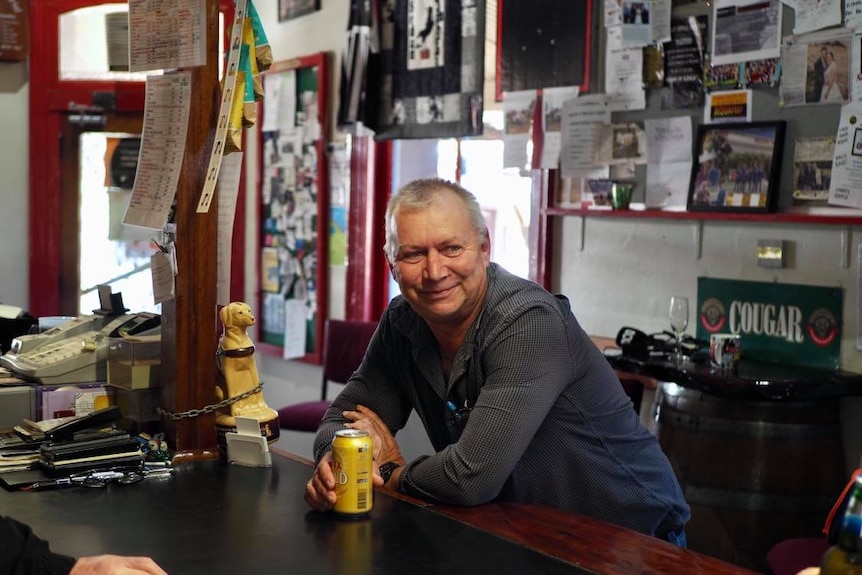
239, 376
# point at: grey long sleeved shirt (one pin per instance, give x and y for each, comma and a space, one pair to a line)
548, 422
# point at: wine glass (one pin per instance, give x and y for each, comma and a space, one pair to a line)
678, 314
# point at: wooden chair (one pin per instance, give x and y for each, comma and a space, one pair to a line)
344, 345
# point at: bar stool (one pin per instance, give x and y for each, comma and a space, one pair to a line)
344, 345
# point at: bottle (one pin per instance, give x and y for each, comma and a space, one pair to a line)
845, 557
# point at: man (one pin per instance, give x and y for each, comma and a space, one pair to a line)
22, 553
517, 401
818, 75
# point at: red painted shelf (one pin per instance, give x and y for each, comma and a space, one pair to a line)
781, 217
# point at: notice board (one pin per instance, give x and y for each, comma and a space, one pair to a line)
293, 209
13, 30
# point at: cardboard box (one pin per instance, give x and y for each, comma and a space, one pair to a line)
133, 362
140, 405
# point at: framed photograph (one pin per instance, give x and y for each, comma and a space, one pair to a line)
290, 9
736, 167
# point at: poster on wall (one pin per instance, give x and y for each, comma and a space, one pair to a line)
778, 322
683, 63
432, 68
745, 30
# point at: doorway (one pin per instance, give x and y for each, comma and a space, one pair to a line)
74, 88
97, 248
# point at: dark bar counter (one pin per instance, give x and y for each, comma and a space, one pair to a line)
759, 452
751, 380
211, 518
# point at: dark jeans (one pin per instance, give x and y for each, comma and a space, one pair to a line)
675, 536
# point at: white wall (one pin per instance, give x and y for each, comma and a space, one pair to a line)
625, 271
13, 184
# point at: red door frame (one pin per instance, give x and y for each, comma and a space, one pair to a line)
366, 284
49, 99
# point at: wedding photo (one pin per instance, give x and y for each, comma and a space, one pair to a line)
827, 78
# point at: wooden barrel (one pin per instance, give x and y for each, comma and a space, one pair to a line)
754, 472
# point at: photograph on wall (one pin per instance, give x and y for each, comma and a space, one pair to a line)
812, 170
745, 30
737, 167
518, 109
621, 143
636, 28
552, 123
815, 69
762, 72
721, 75
290, 9
827, 72
431, 69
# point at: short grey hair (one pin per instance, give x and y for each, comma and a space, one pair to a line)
422, 193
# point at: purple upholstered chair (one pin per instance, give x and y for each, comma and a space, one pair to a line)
344, 344
791, 556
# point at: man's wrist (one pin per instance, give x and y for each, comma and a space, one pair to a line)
386, 469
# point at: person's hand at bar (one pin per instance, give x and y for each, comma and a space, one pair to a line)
116, 565
23, 553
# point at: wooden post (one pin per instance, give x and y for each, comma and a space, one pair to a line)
189, 326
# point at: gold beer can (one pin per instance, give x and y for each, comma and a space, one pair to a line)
352, 464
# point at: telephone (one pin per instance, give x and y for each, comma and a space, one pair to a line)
75, 351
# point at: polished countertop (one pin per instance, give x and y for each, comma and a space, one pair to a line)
213, 518
750, 380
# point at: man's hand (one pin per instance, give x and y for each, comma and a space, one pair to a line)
116, 565
385, 446
320, 489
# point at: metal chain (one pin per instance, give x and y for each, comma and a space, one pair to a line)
209, 408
